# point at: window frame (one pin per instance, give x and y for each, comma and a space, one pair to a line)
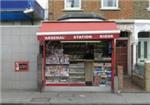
143, 38
139, 50
145, 49
142, 49
74, 8
109, 8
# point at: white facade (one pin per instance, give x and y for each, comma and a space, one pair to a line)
44, 4
134, 27
141, 26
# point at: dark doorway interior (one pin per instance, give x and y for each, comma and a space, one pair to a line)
121, 54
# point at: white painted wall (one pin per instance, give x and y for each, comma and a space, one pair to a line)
44, 4
19, 43
140, 26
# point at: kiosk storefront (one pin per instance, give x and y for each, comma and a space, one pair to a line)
78, 53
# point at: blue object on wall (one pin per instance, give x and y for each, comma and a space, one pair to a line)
14, 16
14, 10
14, 4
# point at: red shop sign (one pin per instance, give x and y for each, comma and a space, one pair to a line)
77, 37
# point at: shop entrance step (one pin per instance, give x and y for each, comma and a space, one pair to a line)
76, 89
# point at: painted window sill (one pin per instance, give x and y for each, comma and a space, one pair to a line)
110, 9
67, 10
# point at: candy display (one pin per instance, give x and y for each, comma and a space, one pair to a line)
102, 74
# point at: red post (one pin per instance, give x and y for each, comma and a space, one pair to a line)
113, 62
43, 64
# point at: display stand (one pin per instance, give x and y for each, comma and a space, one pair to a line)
88, 72
102, 74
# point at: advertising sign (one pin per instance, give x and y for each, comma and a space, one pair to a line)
21, 66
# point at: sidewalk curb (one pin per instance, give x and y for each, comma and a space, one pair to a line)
72, 104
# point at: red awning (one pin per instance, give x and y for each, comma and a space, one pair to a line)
78, 30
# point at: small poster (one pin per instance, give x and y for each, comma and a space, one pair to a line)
21, 66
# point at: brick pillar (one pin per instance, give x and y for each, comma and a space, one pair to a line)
147, 75
120, 77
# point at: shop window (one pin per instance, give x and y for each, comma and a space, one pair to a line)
100, 49
72, 4
109, 4
67, 64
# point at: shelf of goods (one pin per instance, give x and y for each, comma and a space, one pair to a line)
77, 73
102, 74
65, 74
57, 73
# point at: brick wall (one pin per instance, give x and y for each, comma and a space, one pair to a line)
140, 9
128, 9
125, 11
147, 76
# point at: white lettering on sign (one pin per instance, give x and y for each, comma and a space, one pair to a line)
82, 37
105, 36
54, 38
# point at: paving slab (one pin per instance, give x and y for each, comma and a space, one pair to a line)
73, 98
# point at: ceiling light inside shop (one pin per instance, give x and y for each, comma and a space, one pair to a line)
80, 41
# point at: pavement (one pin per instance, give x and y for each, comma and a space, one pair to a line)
19, 97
